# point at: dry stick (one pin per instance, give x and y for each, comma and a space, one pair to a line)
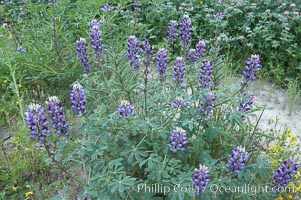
255, 130
241, 89
51, 155
257, 122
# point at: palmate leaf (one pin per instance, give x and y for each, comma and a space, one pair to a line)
121, 183
136, 154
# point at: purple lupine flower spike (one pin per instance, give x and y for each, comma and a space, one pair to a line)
78, 99
137, 4
106, 8
96, 40
132, 52
246, 106
191, 56
172, 32
285, 172
201, 178
162, 63
179, 101
205, 75
147, 51
179, 70
237, 162
206, 108
37, 121
82, 54
57, 116
94, 22
200, 50
185, 32
220, 15
125, 109
178, 140
253, 65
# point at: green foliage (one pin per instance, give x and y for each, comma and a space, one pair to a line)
108, 157
292, 96
257, 28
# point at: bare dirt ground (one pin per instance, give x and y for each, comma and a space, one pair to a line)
276, 106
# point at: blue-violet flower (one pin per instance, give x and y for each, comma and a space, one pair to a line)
201, 178
57, 116
162, 63
82, 54
206, 108
253, 65
125, 109
37, 121
185, 32
172, 32
179, 101
285, 172
205, 80
179, 70
238, 159
132, 52
78, 99
178, 140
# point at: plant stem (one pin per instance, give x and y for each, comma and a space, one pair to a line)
14, 35
241, 88
59, 165
145, 88
256, 125
54, 32
135, 21
15, 88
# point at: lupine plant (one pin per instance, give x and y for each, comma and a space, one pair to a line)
191, 57
82, 54
172, 32
179, 70
206, 108
237, 162
147, 140
57, 116
247, 105
205, 80
96, 41
185, 32
36, 119
284, 174
134, 136
178, 140
132, 52
178, 102
162, 57
201, 178
253, 65
125, 109
78, 99
200, 50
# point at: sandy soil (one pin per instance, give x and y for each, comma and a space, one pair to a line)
276, 106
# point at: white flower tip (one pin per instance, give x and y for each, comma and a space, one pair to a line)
53, 98
34, 106
77, 86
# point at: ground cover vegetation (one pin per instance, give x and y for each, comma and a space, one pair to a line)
106, 100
